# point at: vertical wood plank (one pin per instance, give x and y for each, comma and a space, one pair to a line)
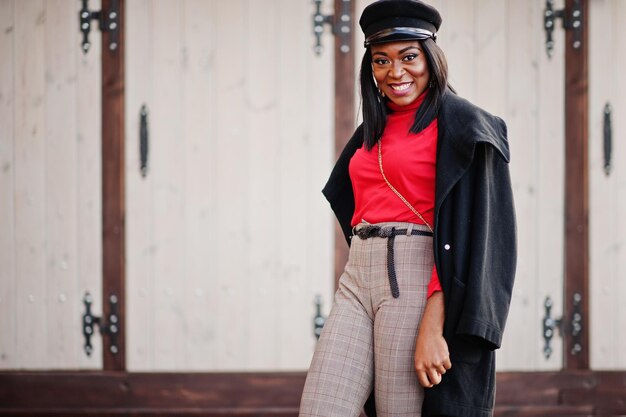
550, 161
140, 220
113, 191
232, 231
8, 307
306, 153
344, 119
169, 198
576, 190
521, 117
459, 46
63, 330
603, 200
263, 83
199, 119
490, 40
607, 194
619, 158
89, 184
30, 192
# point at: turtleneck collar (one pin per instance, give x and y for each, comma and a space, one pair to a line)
412, 107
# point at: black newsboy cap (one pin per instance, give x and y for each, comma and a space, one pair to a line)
398, 20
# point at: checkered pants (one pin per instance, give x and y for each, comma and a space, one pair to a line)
369, 338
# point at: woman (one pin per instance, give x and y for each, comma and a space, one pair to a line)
422, 192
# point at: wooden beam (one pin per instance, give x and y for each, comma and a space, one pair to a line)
344, 116
113, 205
576, 191
519, 394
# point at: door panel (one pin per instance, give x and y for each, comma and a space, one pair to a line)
228, 235
607, 206
50, 181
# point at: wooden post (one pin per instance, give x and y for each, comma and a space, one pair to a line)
113, 206
344, 117
576, 190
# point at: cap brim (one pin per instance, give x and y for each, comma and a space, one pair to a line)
399, 34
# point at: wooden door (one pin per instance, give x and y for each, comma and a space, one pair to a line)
50, 185
229, 239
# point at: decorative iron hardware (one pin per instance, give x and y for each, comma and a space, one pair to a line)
110, 328
143, 140
341, 26
550, 325
577, 324
318, 320
608, 138
108, 21
572, 21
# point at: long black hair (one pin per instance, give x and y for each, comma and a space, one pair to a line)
374, 104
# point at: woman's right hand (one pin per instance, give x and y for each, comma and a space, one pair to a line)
432, 357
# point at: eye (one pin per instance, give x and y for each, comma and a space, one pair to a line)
381, 61
409, 57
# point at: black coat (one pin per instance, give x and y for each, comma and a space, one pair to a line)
474, 246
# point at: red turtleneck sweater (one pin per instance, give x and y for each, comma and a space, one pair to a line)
409, 162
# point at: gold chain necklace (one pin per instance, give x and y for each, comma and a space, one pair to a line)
404, 200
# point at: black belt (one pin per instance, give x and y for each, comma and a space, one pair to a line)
390, 233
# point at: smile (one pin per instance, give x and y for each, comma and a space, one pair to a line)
400, 87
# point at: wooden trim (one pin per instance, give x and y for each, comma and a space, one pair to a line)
113, 204
344, 119
569, 393
576, 189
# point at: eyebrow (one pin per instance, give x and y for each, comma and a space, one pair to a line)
399, 52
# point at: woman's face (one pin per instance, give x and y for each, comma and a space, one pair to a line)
401, 70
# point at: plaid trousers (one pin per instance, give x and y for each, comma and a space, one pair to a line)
369, 337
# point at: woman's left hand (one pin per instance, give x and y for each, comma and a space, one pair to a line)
432, 357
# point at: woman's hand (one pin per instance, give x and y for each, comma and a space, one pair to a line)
432, 358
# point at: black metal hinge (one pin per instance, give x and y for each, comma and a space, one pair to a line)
110, 328
319, 319
108, 21
572, 21
574, 327
341, 26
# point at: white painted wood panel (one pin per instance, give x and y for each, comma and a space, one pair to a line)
42, 146
607, 207
62, 302
8, 284
199, 118
88, 180
531, 174
228, 236
30, 180
307, 154
139, 190
263, 160
496, 58
167, 155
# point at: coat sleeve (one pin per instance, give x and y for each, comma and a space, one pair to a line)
493, 250
338, 190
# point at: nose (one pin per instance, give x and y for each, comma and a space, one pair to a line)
396, 70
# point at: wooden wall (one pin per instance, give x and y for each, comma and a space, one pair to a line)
50, 204
229, 238
607, 61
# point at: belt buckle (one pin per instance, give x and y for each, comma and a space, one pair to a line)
366, 231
